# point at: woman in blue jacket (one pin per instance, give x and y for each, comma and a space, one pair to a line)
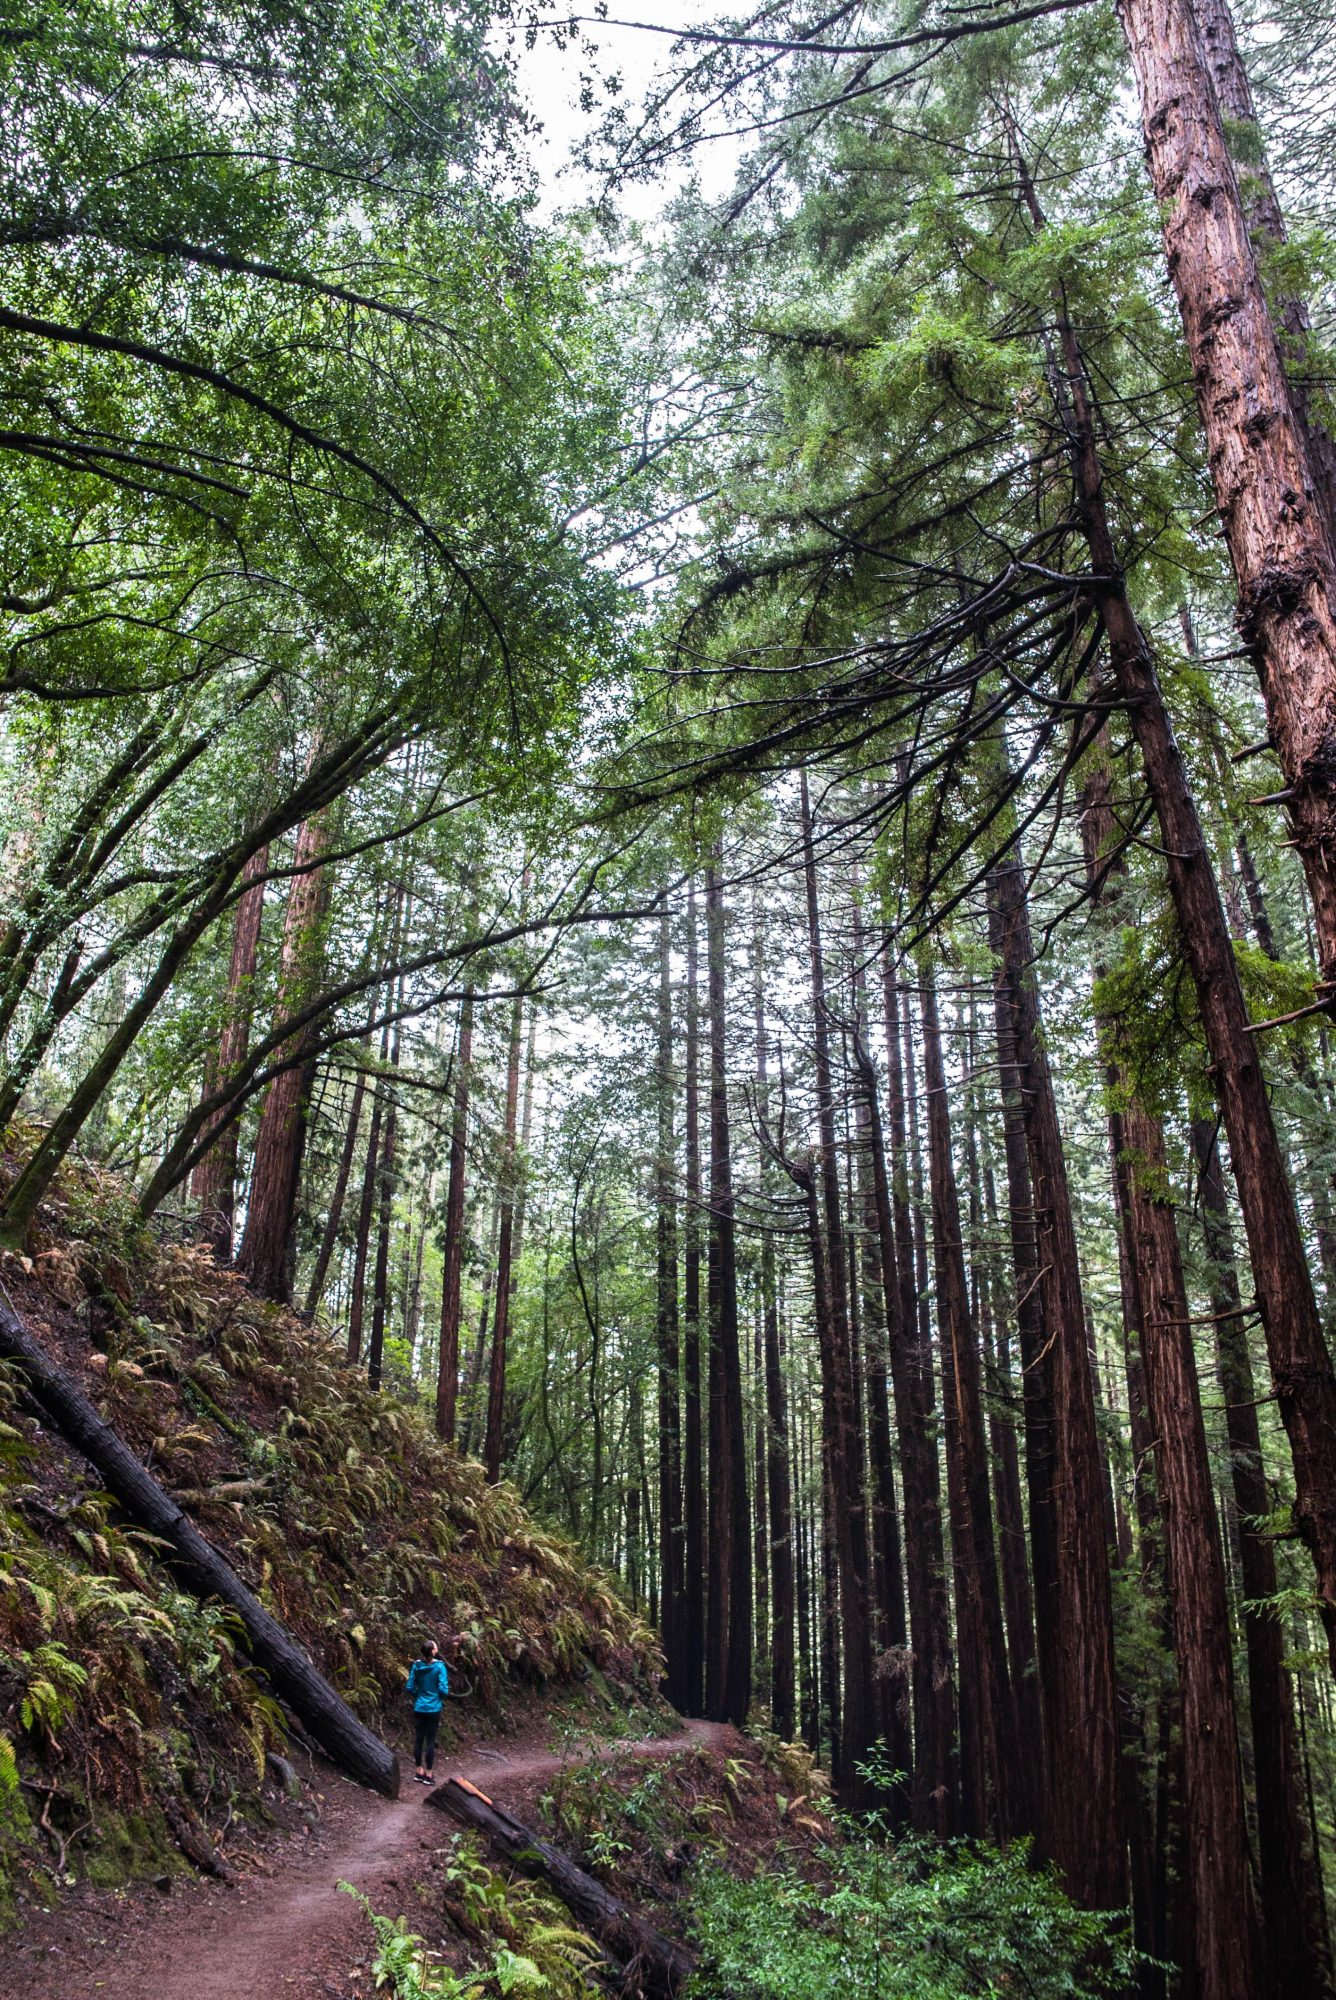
428, 1685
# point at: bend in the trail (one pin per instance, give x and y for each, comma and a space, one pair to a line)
291, 1934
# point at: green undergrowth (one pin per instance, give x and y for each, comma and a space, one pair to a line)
519, 1940
735, 1852
131, 1723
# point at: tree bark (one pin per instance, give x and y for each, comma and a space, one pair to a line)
1268, 498
1301, 1368
1290, 1894
268, 1251
1071, 1555
1215, 1830
294, 1679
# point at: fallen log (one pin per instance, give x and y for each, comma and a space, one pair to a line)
653, 1965
294, 1677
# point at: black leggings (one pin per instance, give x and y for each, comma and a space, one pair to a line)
424, 1739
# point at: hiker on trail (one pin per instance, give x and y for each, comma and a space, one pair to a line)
428, 1684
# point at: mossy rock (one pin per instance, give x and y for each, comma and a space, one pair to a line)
129, 1846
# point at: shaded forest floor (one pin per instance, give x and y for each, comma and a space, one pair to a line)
284, 1931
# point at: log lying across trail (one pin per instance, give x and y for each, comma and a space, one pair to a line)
323, 1713
654, 1965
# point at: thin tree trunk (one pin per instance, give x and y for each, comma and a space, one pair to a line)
509, 1192
986, 1712
912, 1381
731, 1547
452, 1256
366, 1209
892, 1680
316, 1288
380, 1291
693, 1469
671, 1544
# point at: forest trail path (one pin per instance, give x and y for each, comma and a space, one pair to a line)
292, 1935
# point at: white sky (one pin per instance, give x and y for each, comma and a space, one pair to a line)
550, 78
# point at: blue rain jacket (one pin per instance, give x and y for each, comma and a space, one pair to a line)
428, 1683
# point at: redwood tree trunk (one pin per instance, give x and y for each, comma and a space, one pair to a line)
1215, 1833
213, 1183
1291, 1895
1274, 521
1301, 1368
1076, 1648
267, 1254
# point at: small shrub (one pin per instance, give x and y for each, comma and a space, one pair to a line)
911, 1920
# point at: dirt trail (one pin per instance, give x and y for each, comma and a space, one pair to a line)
292, 1935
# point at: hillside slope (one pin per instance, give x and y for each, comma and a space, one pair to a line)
131, 1727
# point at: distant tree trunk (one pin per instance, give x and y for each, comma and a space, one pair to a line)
1268, 497
1008, 1500
934, 1793
509, 1191
316, 1289
268, 1251
986, 1711
693, 1469
892, 1680
782, 1690
671, 1543
366, 1214
1291, 1896
213, 1183
730, 1639
452, 1257
387, 1176
1005, 891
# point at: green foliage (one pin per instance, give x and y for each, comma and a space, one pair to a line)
531, 1948
904, 1921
